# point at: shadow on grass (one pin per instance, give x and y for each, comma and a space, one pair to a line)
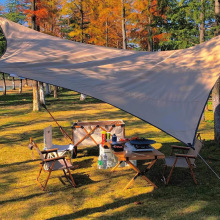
15, 124
84, 164
17, 163
15, 99
89, 151
89, 211
154, 205
21, 137
21, 198
8, 112
82, 179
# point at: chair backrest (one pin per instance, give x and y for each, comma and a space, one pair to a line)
39, 152
34, 145
48, 137
197, 145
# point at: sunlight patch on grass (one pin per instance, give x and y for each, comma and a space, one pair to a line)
195, 207
157, 145
211, 218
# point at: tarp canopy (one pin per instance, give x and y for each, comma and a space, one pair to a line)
168, 89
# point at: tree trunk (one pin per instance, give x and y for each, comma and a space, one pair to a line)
13, 83
82, 97
47, 87
106, 28
36, 98
216, 110
42, 97
123, 25
150, 46
4, 84
33, 17
20, 87
202, 33
215, 91
217, 17
202, 23
202, 37
26, 82
82, 22
82, 32
55, 91
36, 103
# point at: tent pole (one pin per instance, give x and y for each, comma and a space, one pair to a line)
61, 129
209, 166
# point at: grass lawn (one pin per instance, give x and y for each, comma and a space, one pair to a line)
99, 193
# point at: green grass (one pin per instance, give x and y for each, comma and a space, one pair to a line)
99, 193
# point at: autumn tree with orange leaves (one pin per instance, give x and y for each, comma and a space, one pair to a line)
47, 15
143, 29
76, 13
105, 23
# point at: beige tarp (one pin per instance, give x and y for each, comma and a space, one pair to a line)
168, 89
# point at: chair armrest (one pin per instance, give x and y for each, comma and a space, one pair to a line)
180, 147
49, 150
54, 158
185, 155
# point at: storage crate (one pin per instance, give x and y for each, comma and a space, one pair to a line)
112, 160
89, 133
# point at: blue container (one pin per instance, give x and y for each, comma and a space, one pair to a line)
114, 139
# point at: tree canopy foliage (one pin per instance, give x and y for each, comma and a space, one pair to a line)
150, 24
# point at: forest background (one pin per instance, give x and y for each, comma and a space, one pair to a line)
150, 25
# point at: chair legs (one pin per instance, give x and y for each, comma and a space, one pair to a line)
170, 174
171, 171
163, 175
70, 179
43, 187
191, 171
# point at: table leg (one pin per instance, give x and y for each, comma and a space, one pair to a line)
145, 178
151, 164
114, 168
139, 173
132, 180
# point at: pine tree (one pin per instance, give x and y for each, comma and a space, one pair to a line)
2, 43
184, 22
13, 11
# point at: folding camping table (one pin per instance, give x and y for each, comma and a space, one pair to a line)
147, 155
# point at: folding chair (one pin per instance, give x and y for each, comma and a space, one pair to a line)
52, 164
48, 143
185, 160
